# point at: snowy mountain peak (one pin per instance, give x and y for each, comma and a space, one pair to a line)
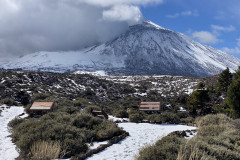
150, 24
144, 49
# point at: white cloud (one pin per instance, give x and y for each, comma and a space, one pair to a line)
28, 26
221, 28
131, 14
233, 51
184, 13
106, 3
205, 37
212, 37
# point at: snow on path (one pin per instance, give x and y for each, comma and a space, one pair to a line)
7, 148
141, 135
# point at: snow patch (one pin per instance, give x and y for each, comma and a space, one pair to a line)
141, 134
7, 148
97, 73
96, 145
115, 119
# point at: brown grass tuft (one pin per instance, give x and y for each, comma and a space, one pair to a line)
46, 150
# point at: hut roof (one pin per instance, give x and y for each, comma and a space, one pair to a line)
150, 104
42, 106
154, 106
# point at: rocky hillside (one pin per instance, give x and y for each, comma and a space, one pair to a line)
24, 85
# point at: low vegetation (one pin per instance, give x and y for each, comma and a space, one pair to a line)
46, 150
71, 126
68, 130
217, 138
166, 148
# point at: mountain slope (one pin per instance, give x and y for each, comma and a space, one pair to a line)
144, 49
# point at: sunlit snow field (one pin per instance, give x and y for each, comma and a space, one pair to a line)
141, 134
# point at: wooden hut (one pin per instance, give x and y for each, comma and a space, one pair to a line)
39, 108
150, 107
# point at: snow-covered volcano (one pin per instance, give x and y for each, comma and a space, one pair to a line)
144, 49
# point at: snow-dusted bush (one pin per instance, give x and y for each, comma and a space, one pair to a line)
166, 148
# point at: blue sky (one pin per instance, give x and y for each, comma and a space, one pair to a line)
214, 23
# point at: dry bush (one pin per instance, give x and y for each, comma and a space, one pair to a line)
218, 138
165, 148
43, 150
191, 151
213, 119
236, 123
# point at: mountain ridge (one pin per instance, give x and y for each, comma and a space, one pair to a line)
144, 49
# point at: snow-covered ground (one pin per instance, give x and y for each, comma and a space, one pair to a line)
115, 119
96, 144
7, 148
141, 134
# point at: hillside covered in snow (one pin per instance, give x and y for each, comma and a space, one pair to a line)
144, 49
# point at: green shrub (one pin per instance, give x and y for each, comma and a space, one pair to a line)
201, 149
155, 118
218, 137
166, 117
42, 97
71, 138
15, 122
90, 108
236, 123
69, 110
121, 114
107, 130
187, 120
136, 117
71, 130
169, 117
213, 119
60, 117
9, 102
81, 102
183, 114
166, 148
211, 130
85, 120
